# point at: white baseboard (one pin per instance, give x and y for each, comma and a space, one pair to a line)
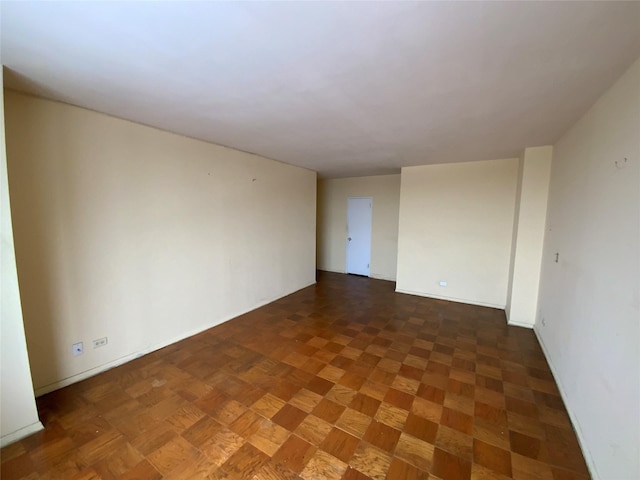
20, 434
451, 299
139, 353
331, 270
382, 277
574, 421
520, 324
377, 276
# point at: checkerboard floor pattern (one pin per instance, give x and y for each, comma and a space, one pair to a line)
343, 380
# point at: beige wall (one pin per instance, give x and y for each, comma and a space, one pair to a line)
18, 413
529, 226
589, 308
456, 224
332, 222
142, 236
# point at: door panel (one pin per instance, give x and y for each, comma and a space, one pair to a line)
359, 217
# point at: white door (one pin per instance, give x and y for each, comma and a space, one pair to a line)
359, 235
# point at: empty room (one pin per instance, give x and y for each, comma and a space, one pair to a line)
320, 240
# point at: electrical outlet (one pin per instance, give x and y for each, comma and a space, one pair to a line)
443, 283
77, 349
100, 342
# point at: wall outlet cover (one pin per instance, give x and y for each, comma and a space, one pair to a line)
77, 349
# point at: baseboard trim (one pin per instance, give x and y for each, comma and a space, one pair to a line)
65, 382
330, 270
451, 299
377, 276
521, 324
12, 437
382, 277
574, 420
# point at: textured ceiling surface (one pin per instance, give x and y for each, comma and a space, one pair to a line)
344, 88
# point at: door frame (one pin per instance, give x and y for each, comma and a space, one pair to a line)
346, 264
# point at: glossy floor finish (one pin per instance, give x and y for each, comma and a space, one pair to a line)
345, 379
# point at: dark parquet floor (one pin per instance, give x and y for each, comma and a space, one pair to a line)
342, 380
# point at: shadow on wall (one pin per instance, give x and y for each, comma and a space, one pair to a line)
37, 292
43, 257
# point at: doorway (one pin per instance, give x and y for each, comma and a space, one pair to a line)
359, 219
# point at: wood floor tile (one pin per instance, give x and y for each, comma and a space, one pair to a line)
289, 417
305, 400
401, 469
345, 379
526, 468
201, 467
17, 467
247, 424
268, 405
382, 436
521, 407
525, 445
399, 399
415, 451
457, 420
492, 457
421, 428
244, 463
490, 433
455, 442
374, 389
341, 394
269, 438
340, 444
352, 380
354, 422
478, 472
460, 403
325, 466
393, 416
222, 445
490, 414
526, 425
173, 454
448, 466
119, 462
142, 470
353, 474
313, 429
365, 404
426, 409
98, 448
371, 461
328, 410
319, 385
274, 470
294, 453
431, 393
198, 434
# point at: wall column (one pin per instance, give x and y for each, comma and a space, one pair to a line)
529, 228
18, 406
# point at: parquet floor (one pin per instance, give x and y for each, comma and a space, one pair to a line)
342, 380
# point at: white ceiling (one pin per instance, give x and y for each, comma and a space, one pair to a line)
344, 88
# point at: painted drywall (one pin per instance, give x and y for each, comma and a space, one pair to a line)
529, 226
332, 222
456, 225
589, 314
18, 413
142, 236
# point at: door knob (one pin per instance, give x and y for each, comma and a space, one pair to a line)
349, 238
